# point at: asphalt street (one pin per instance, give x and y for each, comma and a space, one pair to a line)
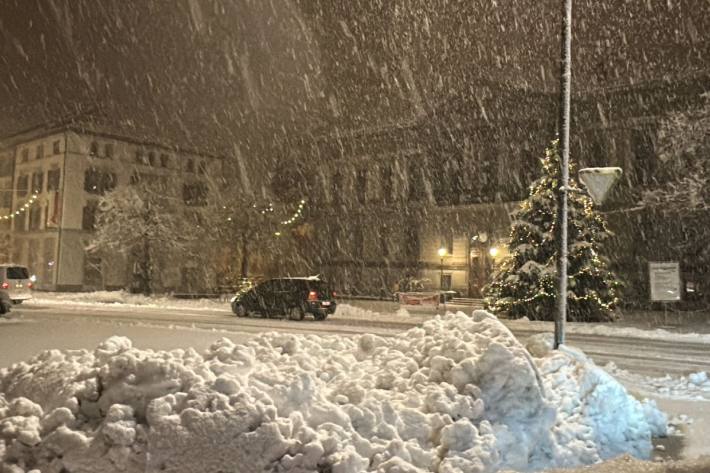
642, 356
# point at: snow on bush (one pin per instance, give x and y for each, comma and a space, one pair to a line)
458, 394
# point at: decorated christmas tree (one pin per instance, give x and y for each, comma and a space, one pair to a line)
525, 285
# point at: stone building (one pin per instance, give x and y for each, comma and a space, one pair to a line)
389, 198
51, 179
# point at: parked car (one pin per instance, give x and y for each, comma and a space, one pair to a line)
290, 297
15, 281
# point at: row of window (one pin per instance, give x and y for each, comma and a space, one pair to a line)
36, 218
37, 254
23, 186
98, 181
39, 151
94, 150
457, 181
149, 158
193, 194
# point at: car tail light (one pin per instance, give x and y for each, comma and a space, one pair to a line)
334, 294
5, 285
29, 285
312, 296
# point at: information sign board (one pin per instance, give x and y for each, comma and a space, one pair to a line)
664, 281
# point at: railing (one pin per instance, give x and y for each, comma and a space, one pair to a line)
466, 301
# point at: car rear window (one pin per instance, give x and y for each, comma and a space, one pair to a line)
319, 286
17, 272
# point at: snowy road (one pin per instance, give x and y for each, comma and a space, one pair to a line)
640, 355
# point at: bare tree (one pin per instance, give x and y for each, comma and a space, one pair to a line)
251, 231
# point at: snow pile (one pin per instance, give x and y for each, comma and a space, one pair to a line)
693, 386
458, 394
124, 298
351, 312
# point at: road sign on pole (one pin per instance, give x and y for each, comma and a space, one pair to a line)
599, 181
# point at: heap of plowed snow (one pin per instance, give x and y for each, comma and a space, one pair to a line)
459, 394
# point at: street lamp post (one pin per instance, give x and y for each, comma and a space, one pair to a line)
564, 124
442, 253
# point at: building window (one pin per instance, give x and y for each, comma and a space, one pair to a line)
40, 151
447, 242
6, 167
143, 159
88, 217
202, 168
644, 154
37, 182
359, 242
361, 183
194, 194
164, 160
25, 156
336, 189
5, 199
20, 222
190, 165
387, 184
99, 182
23, 183
416, 181
53, 177
151, 158
108, 150
35, 217
55, 147
445, 282
385, 242
94, 149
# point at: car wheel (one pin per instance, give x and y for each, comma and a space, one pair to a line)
239, 310
295, 313
320, 316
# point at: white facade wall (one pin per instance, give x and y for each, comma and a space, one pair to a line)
55, 249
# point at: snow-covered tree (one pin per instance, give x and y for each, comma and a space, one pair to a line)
143, 226
684, 150
678, 203
525, 285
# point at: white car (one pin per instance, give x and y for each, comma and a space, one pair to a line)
15, 281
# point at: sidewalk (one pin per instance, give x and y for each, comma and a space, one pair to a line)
673, 321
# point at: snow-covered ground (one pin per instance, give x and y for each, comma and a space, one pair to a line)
680, 397
459, 394
123, 298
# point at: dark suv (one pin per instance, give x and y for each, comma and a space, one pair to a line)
292, 297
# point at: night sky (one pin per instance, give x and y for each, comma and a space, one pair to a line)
212, 74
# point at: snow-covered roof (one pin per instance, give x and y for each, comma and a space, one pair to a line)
304, 278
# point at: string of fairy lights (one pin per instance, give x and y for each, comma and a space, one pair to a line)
296, 214
21, 210
270, 209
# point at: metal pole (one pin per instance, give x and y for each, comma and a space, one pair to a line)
564, 124
441, 283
